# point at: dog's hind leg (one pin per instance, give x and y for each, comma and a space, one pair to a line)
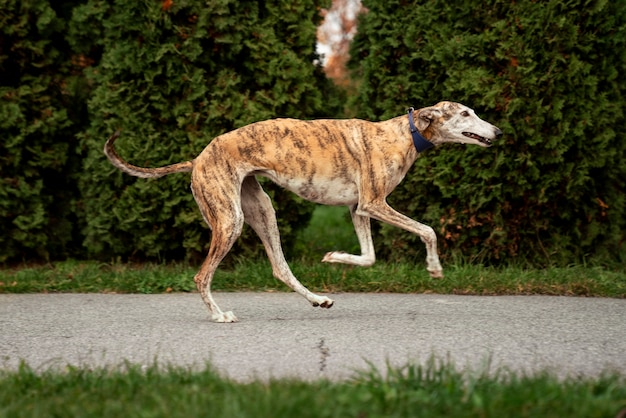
363, 231
225, 218
260, 215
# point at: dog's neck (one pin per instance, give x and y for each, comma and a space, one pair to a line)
421, 144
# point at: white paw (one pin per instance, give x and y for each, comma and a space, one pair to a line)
341, 257
322, 302
225, 317
331, 257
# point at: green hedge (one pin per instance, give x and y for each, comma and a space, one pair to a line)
551, 75
171, 76
41, 110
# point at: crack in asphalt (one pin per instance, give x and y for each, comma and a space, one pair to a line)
324, 354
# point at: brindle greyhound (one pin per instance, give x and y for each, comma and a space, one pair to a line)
334, 162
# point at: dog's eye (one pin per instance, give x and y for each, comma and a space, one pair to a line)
465, 113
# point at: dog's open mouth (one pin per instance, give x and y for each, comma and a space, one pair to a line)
479, 138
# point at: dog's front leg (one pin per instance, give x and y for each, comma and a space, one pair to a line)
364, 234
383, 212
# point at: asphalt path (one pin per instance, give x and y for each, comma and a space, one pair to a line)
280, 335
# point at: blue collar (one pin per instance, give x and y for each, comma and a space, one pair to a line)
421, 143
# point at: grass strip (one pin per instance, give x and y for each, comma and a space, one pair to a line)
86, 276
329, 229
436, 389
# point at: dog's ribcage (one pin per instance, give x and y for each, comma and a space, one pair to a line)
320, 160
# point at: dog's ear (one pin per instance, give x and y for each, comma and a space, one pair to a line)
426, 116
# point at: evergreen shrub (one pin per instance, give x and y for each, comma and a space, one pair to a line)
172, 76
41, 109
551, 75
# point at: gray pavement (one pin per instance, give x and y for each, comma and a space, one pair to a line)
280, 335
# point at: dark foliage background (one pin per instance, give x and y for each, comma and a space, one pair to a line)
41, 109
550, 74
172, 79
171, 76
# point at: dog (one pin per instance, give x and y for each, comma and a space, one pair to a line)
348, 162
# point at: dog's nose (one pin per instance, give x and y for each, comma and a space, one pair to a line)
498, 133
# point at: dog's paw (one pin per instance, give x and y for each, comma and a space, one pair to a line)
322, 302
436, 274
342, 257
225, 317
332, 257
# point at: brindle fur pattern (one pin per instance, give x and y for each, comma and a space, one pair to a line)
334, 162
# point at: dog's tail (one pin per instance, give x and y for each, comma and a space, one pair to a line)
146, 173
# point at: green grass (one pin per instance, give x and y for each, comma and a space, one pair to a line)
434, 390
86, 276
330, 230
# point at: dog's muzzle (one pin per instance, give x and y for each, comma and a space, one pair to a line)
488, 142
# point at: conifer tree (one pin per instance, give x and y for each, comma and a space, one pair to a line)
172, 76
41, 110
550, 74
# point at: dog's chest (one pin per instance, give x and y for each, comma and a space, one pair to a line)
318, 189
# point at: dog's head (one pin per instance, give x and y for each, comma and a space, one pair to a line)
454, 122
